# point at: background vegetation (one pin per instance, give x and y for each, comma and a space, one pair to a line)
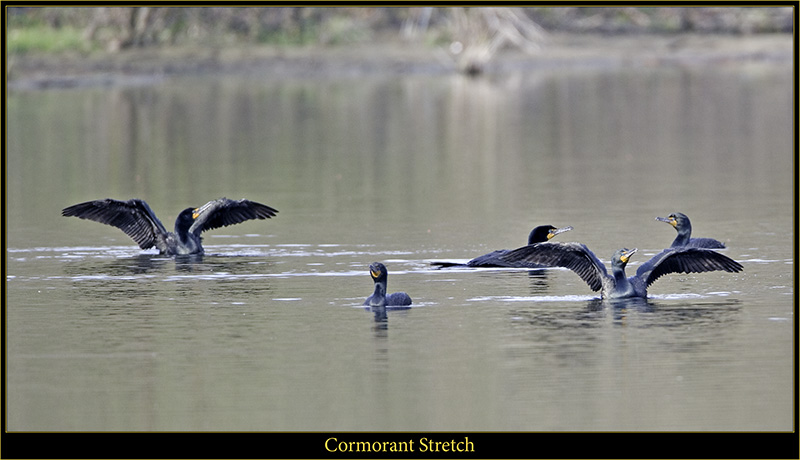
85, 29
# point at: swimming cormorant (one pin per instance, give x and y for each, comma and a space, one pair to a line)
539, 234
379, 298
684, 238
578, 258
137, 220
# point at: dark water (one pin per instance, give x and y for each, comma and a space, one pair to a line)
266, 331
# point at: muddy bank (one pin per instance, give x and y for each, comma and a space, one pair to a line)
145, 66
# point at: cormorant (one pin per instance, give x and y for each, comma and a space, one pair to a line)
684, 238
379, 298
539, 234
578, 258
137, 220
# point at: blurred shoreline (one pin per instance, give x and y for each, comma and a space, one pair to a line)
559, 51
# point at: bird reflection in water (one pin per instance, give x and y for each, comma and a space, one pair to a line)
140, 264
381, 318
380, 313
188, 263
635, 312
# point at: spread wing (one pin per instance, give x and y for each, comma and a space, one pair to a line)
489, 260
685, 260
134, 217
574, 256
708, 243
223, 212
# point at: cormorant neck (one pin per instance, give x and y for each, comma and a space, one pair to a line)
684, 235
620, 280
379, 296
182, 233
182, 225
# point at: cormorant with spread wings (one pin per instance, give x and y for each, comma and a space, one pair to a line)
578, 258
137, 220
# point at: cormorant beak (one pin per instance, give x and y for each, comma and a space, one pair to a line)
373, 272
627, 253
556, 231
669, 220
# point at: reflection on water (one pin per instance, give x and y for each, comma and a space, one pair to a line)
267, 331
647, 313
118, 267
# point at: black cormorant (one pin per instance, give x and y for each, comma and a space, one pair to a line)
539, 234
137, 220
379, 298
684, 238
578, 258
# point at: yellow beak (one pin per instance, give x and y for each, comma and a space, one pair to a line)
625, 257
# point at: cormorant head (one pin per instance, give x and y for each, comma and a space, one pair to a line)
622, 256
184, 221
197, 211
378, 272
677, 220
543, 233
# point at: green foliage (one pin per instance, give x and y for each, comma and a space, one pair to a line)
43, 38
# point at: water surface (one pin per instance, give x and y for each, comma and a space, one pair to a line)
266, 331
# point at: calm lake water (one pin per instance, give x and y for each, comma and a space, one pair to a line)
266, 331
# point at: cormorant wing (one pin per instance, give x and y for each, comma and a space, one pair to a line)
440, 264
574, 256
489, 260
685, 260
398, 299
708, 243
223, 212
134, 217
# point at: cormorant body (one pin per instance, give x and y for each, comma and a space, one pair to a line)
137, 220
539, 234
379, 298
578, 258
684, 239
